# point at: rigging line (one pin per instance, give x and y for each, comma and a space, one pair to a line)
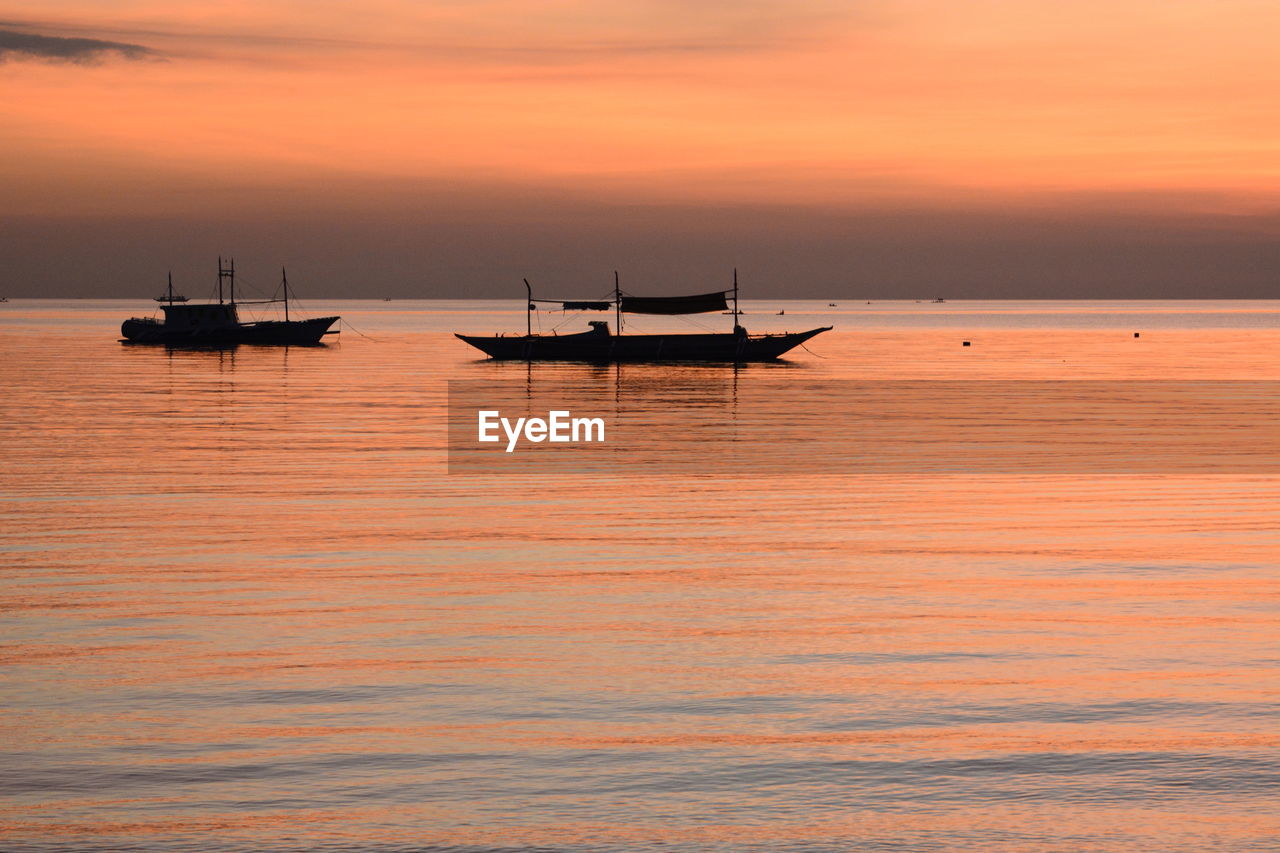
242, 281
300, 306
557, 326
347, 325
811, 352
606, 297
685, 318
568, 316
702, 325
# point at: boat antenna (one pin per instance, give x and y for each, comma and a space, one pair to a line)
284, 281
617, 301
528, 311
170, 287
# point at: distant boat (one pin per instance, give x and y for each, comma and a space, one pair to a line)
218, 323
4, 299
601, 345
171, 296
939, 299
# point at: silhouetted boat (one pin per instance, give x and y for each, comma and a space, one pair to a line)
601, 345
218, 323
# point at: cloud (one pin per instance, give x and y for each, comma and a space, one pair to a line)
16, 45
569, 39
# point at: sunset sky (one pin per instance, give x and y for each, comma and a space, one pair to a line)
873, 147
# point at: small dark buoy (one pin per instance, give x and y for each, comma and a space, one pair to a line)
966, 343
1135, 334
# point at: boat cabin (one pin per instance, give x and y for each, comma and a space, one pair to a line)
216, 316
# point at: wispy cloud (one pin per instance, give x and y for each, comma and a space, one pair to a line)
475, 33
17, 45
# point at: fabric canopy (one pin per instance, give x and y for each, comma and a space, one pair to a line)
699, 304
587, 306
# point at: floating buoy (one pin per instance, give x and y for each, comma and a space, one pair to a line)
1135, 334
966, 343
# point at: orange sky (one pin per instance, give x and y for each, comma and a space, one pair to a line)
986, 104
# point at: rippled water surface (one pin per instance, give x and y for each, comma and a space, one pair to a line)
247, 607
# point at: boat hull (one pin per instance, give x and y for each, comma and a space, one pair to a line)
596, 347
268, 332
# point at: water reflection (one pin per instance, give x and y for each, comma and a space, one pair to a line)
246, 608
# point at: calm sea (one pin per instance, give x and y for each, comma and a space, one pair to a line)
246, 605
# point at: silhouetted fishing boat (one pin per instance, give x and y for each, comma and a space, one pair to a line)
218, 323
601, 345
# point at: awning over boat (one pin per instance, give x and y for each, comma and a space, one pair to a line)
587, 306
698, 304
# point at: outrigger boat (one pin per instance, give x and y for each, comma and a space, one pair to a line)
218, 323
601, 345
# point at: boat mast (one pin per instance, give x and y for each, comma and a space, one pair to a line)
528, 311
736, 312
284, 281
617, 301
229, 273
170, 287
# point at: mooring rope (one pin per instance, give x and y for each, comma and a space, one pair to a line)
346, 324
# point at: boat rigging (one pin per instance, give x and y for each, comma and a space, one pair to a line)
218, 324
600, 344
